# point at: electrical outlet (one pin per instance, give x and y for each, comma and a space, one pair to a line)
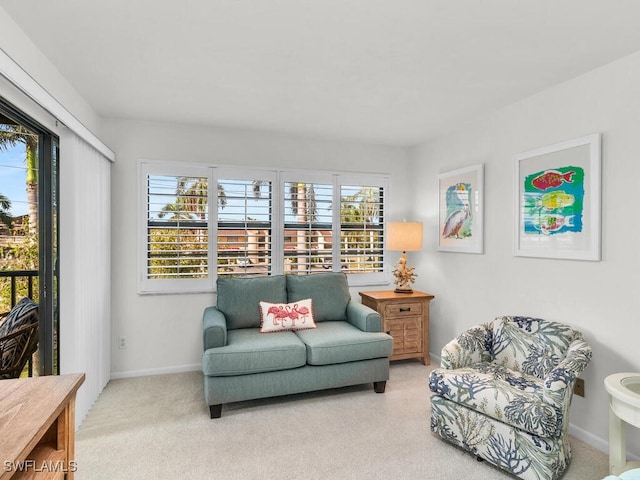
122, 343
578, 388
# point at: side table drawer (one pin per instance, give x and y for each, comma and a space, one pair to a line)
403, 309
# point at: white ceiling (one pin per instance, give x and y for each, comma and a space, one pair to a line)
391, 72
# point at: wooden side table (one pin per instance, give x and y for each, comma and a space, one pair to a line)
37, 427
405, 316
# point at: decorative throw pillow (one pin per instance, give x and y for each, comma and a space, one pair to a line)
280, 317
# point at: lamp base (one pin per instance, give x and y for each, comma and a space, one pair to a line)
403, 290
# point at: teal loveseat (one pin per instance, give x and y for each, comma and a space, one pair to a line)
240, 362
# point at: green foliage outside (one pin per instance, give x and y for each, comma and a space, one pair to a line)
180, 252
18, 255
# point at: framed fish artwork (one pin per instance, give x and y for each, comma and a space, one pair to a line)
557, 200
460, 210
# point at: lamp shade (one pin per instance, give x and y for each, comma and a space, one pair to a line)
404, 236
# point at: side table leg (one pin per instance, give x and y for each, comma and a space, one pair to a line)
617, 444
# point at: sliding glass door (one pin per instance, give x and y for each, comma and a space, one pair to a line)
29, 156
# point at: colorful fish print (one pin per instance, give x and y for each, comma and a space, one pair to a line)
552, 179
555, 200
548, 223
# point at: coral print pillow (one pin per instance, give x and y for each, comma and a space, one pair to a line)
280, 317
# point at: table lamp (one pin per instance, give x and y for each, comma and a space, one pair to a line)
405, 237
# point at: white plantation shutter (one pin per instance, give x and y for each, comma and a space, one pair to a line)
177, 227
176, 248
308, 227
362, 228
198, 223
244, 236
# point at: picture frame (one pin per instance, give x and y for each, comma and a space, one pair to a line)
461, 210
557, 200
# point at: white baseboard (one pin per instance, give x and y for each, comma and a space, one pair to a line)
596, 442
589, 438
156, 371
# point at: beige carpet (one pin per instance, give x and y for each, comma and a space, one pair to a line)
159, 428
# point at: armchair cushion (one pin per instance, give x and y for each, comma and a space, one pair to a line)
472, 346
507, 395
531, 345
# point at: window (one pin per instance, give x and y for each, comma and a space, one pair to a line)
265, 223
176, 229
308, 227
362, 228
244, 226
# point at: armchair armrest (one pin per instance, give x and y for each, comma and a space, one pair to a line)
559, 382
214, 326
472, 346
363, 317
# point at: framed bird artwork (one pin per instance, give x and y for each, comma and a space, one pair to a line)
460, 210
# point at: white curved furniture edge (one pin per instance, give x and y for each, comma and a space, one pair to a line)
624, 406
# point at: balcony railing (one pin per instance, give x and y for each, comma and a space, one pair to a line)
13, 275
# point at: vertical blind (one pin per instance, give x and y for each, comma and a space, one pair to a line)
85, 265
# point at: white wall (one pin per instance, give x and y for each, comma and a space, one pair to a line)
600, 298
22, 50
163, 332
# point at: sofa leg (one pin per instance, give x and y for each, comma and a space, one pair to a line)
379, 386
215, 410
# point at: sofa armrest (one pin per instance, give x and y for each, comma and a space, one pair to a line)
363, 317
472, 346
559, 382
214, 326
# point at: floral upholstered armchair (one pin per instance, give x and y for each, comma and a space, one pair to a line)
503, 393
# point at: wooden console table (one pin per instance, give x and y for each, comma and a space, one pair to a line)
37, 427
405, 316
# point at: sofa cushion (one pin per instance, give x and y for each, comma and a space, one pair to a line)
341, 342
531, 345
248, 351
239, 298
509, 396
329, 292
281, 317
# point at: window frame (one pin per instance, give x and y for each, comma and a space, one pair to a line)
278, 178
248, 174
148, 285
366, 180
